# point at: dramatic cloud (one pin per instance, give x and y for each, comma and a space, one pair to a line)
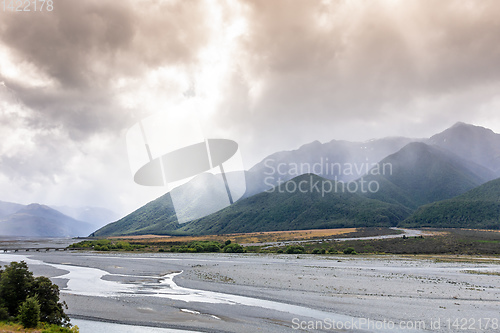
271, 75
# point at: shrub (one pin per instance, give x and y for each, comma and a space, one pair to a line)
227, 242
332, 250
295, 249
58, 329
349, 250
4, 314
122, 245
234, 248
29, 313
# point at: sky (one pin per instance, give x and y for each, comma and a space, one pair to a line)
270, 75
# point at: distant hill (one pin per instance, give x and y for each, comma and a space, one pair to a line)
42, 221
7, 208
196, 199
156, 217
293, 210
474, 143
423, 171
327, 160
478, 208
419, 174
96, 216
277, 210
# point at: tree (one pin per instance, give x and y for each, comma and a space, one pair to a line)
51, 311
29, 312
15, 283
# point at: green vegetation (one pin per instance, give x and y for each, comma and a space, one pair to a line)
349, 250
8, 326
422, 174
445, 241
33, 302
188, 247
29, 312
233, 248
298, 210
279, 210
295, 249
479, 208
157, 217
106, 245
201, 246
452, 241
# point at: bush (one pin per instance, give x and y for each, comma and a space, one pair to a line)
227, 242
349, 250
234, 248
29, 313
332, 250
295, 249
4, 314
58, 329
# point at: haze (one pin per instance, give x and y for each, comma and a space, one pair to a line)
271, 75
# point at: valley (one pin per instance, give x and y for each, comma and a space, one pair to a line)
274, 293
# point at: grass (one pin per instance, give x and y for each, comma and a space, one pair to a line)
244, 238
481, 272
10, 327
444, 241
435, 242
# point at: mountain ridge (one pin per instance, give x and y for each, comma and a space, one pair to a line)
431, 173
35, 220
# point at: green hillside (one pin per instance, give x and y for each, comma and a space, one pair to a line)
277, 210
157, 217
286, 210
420, 174
479, 208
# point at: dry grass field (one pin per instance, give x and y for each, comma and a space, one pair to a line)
254, 237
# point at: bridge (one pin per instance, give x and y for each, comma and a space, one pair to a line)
36, 249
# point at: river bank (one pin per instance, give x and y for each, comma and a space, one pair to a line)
272, 293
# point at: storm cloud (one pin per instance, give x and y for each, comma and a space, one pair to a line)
272, 75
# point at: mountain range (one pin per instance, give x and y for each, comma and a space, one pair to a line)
36, 220
477, 208
422, 173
